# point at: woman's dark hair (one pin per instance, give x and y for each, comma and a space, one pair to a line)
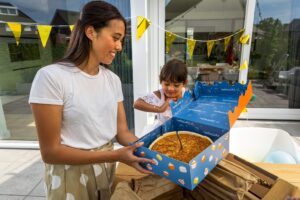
96, 14
174, 71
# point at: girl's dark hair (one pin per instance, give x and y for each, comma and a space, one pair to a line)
174, 71
96, 14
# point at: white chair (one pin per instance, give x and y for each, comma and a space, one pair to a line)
255, 144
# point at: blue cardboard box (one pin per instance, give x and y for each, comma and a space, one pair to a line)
209, 110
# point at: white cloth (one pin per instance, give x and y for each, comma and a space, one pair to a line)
90, 102
152, 99
161, 118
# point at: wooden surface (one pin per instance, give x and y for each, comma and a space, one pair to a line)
290, 173
126, 173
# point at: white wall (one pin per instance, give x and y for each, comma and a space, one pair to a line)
147, 53
248, 26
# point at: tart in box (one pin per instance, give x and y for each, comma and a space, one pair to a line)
208, 113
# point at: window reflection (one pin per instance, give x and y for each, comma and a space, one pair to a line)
206, 20
275, 54
19, 63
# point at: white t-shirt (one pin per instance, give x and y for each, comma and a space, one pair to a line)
161, 118
152, 99
90, 102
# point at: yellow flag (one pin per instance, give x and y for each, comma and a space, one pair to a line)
142, 25
44, 32
16, 28
241, 32
210, 44
190, 47
245, 39
242, 82
71, 27
170, 37
245, 110
226, 42
244, 65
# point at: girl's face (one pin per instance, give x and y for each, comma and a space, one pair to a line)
107, 42
172, 90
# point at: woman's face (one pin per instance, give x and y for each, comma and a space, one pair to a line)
107, 42
172, 90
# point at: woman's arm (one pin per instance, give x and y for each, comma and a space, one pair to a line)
124, 137
48, 120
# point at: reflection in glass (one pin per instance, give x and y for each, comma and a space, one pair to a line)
206, 20
19, 63
275, 54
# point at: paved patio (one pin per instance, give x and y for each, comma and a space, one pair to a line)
21, 175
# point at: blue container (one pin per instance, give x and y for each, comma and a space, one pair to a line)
204, 111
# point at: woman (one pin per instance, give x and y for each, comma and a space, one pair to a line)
78, 110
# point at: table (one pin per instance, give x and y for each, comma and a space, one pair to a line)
288, 172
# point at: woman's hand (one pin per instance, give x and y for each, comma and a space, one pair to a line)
126, 156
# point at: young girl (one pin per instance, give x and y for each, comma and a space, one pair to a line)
173, 78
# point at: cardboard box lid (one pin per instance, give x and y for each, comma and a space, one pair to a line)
277, 189
217, 105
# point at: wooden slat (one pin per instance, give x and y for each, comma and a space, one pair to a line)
288, 172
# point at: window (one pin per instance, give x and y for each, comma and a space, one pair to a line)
275, 55
8, 10
19, 64
206, 20
12, 11
3, 11
23, 52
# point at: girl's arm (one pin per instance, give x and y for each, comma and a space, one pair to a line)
48, 119
142, 105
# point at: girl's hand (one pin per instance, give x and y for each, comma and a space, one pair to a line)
126, 156
164, 107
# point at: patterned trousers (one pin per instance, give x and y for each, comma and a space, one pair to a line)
80, 182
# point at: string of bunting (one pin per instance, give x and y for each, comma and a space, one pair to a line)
43, 30
143, 23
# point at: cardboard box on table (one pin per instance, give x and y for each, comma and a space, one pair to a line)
211, 111
276, 188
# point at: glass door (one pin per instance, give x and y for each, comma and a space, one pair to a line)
19, 63
204, 20
275, 60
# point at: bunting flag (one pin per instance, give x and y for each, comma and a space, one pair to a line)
16, 28
142, 25
170, 37
210, 44
44, 32
245, 110
244, 65
244, 39
190, 47
242, 82
226, 42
